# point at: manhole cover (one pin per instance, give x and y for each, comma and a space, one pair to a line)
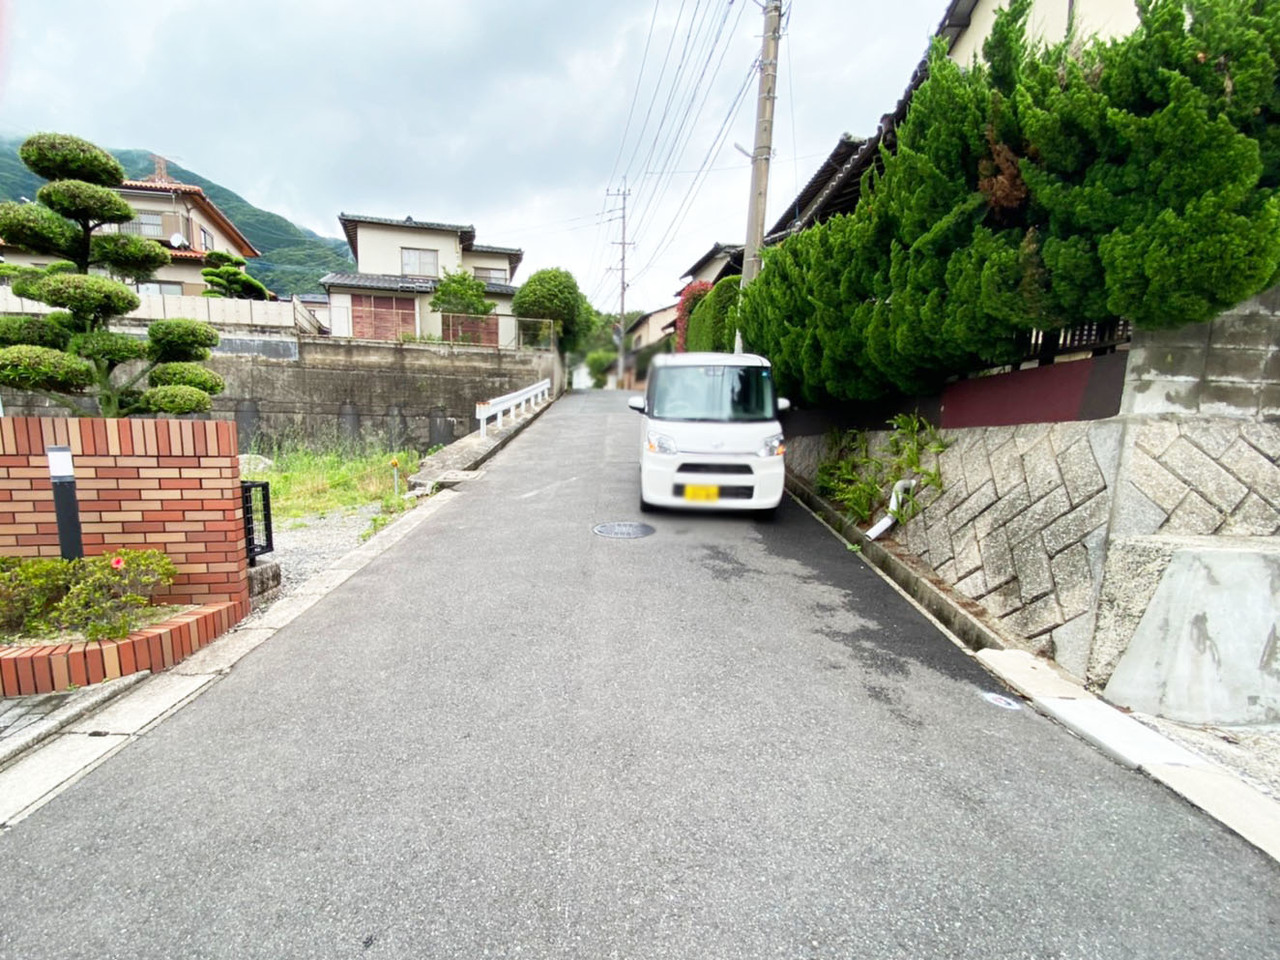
1001, 701
622, 530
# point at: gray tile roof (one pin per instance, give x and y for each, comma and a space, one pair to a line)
379, 281
383, 281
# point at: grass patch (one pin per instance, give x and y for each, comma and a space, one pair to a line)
305, 481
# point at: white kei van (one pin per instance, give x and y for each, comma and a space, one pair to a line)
711, 436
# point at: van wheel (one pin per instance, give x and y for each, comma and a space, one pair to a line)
768, 514
645, 505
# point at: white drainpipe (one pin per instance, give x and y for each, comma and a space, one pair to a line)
899, 488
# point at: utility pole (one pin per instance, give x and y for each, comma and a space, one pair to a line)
764, 140
620, 334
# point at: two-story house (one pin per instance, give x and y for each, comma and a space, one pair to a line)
180, 217
399, 264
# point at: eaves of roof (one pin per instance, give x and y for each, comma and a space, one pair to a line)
349, 221
398, 284
716, 250
513, 254
837, 186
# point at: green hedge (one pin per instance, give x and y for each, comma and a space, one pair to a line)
710, 327
1040, 188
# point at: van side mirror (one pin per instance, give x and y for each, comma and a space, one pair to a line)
636, 403
783, 404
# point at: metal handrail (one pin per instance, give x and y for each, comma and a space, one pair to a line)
511, 401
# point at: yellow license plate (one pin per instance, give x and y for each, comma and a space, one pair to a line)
705, 493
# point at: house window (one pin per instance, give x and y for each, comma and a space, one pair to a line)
151, 225
206, 240
491, 274
419, 263
160, 288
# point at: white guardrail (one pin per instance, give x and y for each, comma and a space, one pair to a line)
515, 402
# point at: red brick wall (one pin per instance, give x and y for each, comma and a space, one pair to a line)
171, 485
381, 318
459, 328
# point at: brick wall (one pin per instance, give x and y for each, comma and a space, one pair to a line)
172, 485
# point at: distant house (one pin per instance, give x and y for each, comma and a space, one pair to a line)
722, 260
178, 216
646, 332
399, 264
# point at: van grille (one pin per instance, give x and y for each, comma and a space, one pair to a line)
714, 468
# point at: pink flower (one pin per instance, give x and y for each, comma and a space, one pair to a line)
117, 563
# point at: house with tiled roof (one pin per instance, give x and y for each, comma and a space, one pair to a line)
178, 216
399, 264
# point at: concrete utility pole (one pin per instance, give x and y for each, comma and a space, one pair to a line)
620, 335
764, 140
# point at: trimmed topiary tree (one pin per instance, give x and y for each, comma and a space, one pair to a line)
553, 294
224, 273
71, 356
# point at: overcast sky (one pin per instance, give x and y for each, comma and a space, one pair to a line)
506, 115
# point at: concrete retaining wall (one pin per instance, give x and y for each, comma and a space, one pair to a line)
325, 388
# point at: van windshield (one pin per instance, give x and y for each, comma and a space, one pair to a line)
712, 393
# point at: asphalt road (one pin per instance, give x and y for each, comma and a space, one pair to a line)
509, 737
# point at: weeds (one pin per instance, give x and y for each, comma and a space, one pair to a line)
306, 481
860, 479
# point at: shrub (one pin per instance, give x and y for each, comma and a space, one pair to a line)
187, 375
27, 367
108, 592
35, 331
181, 339
709, 326
29, 589
98, 596
177, 399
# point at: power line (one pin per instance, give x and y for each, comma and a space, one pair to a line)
670, 233
635, 93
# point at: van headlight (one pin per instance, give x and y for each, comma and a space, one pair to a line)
661, 443
772, 447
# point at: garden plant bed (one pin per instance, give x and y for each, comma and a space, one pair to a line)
47, 668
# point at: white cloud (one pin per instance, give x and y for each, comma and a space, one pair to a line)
507, 116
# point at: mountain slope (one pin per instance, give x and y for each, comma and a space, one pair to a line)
293, 258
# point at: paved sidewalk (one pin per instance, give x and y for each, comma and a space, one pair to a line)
18, 713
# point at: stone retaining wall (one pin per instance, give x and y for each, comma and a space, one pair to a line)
1063, 531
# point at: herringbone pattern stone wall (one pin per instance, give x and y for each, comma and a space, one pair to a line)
1023, 521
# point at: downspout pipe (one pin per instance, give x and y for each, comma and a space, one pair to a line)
895, 500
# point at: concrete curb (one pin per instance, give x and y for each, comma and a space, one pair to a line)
1212, 788
79, 704
78, 736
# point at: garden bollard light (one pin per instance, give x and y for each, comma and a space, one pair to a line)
66, 509
395, 473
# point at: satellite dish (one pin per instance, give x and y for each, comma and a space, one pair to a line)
179, 241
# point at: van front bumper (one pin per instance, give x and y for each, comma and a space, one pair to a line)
712, 482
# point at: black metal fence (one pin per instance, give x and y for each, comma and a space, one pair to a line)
1096, 339
256, 495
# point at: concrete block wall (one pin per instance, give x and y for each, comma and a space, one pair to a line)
1229, 367
172, 485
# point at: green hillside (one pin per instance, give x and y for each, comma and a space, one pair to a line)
293, 258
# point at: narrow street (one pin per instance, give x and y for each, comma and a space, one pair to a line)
510, 737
